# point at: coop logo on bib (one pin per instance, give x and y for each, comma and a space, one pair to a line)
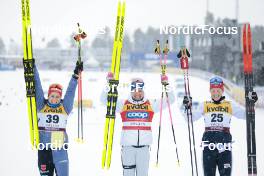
137, 115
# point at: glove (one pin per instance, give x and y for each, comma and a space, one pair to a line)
253, 96
78, 68
164, 79
110, 76
187, 102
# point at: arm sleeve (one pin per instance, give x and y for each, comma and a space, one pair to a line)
198, 113
69, 95
40, 100
119, 103
238, 111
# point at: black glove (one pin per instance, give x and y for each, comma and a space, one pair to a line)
78, 68
253, 96
187, 102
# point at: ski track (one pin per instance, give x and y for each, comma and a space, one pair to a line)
17, 158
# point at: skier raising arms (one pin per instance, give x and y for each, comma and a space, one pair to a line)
136, 113
217, 115
52, 120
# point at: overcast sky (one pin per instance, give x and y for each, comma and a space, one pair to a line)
57, 18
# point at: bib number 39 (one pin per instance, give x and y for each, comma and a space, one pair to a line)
52, 119
217, 118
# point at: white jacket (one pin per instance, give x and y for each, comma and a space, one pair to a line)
138, 137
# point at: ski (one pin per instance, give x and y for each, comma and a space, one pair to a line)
78, 37
163, 64
250, 109
112, 95
28, 63
184, 55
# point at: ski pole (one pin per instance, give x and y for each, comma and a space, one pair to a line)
165, 51
183, 55
157, 51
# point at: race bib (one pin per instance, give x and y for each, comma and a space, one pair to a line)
217, 116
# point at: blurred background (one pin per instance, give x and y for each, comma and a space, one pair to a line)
54, 24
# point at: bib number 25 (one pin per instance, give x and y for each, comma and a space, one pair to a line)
217, 118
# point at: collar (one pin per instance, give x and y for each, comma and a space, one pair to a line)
53, 105
219, 101
131, 100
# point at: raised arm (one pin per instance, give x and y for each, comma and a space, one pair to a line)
198, 113
40, 99
68, 99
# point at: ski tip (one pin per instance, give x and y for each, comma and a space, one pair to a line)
178, 164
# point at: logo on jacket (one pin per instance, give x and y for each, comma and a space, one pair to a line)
137, 115
217, 109
135, 106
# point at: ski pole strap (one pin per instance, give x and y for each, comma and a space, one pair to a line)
166, 49
157, 49
129, 166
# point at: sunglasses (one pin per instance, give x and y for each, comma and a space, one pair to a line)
216, 81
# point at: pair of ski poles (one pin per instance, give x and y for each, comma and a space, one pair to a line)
163, 64
183, 55
78, 37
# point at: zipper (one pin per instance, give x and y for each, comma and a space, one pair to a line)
138, 138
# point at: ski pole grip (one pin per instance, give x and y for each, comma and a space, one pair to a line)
184, 63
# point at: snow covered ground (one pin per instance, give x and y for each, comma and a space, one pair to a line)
17, 158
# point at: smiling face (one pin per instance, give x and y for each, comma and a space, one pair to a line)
216, 93
54, 98
137, 94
